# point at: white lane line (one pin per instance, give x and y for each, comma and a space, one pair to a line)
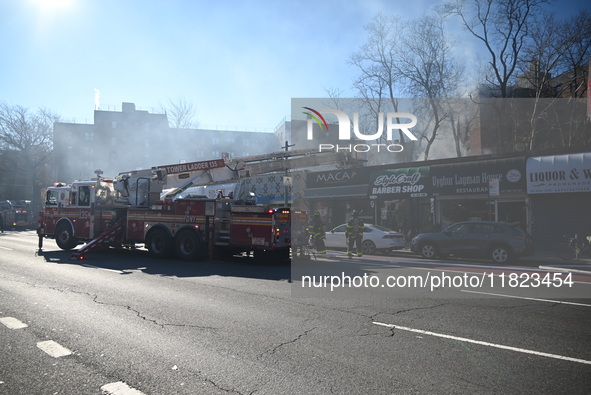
53, 348
119, 388
5, 248
12, 323
483, 343
526, 298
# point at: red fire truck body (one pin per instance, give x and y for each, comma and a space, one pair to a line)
92, 211
143, 206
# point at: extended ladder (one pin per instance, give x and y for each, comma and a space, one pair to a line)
101, 241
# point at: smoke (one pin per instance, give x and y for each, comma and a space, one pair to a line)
97, 99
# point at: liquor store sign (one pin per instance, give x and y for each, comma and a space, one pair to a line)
559, 173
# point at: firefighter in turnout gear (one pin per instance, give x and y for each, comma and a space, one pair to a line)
317, 233
354, 234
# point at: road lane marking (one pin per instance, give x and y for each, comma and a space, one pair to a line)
483, 343
526, 298
53, 348
119, 388
6, 248
12, 323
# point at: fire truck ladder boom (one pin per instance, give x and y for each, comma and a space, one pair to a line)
101, 241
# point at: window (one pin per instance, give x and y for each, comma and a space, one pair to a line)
341, 228
459, 229
486, 229
113, 124
84, 196
51, 198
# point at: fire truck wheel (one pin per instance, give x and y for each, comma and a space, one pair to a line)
159, 243
64, 236
188, 245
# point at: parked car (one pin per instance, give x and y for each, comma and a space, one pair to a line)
499, 241
375, 238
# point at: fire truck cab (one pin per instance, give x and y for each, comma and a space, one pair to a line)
70, 211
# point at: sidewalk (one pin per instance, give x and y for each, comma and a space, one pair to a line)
548, 259
543, 259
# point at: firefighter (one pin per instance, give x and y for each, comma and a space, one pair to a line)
317, 233
41, 233
354, 235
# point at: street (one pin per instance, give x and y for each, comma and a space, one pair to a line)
127, 323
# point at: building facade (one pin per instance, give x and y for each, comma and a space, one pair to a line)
133, 139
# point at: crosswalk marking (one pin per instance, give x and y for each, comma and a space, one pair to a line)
119, 388
12, 323
53, 348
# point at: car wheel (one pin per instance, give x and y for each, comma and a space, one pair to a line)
428, 250
368, 247
500, 254
64, 236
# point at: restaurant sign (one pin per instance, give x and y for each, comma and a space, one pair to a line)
474, 178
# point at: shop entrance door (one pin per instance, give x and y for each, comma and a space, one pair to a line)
512, 212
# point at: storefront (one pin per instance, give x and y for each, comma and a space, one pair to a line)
487, 190
336, 193
400, 199
560, 190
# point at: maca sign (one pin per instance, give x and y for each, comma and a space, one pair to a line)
352, 176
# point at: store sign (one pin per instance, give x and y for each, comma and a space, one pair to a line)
400, 183
559, 173
474, 178
351, 176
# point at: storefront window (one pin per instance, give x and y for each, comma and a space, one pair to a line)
453, 211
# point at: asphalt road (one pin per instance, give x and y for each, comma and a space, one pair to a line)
131, 324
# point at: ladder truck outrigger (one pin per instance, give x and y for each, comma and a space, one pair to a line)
135, 208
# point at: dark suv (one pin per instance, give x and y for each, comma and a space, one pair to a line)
499, 241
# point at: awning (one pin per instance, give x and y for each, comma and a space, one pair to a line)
345, 191
565, 173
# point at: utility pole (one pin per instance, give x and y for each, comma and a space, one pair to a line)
285, 182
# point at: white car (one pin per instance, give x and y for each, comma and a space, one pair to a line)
375, 238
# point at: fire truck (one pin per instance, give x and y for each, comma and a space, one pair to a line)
22, 215
17, 214
135, 208
152, 207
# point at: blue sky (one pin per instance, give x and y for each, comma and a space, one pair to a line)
238, 62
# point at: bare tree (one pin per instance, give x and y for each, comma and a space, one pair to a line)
377, 83
502, 26
428, 70
181, 114
30, 136
553, 65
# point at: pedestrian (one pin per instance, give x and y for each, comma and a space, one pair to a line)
354, 235
41, 234
1, 223
317, 233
